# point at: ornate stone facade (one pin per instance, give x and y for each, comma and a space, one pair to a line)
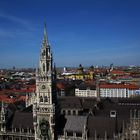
44, 107
131, 131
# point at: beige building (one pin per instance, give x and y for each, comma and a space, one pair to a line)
86, 92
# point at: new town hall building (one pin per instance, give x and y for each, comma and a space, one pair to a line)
67, 118
37, 121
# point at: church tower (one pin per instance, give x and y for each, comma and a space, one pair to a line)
44, 107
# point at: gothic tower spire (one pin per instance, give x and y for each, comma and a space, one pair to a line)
45, 37
44, 108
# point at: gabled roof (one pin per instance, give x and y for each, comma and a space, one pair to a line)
23, 120
100, 125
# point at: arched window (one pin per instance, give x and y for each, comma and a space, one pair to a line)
43, 67
41, 99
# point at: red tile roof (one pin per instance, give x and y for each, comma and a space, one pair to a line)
27, 89
17, 91
8, 99
117, 72
128, 86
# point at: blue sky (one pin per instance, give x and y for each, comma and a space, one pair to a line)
90, 32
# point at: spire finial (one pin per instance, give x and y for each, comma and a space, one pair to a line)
45, 37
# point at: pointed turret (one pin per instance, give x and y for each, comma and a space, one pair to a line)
45, 37
45, 63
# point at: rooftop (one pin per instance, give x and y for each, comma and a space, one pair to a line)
128, 86
75, 123
23, 120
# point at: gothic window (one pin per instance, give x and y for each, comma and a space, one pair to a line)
64, 112
69, 133
47, 66
32, 130
41, 99
43, 53
25, 130
46, 99
17, 129
43, 67
69, 112
78, 134
74, 112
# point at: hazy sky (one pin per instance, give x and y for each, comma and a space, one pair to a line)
90, 32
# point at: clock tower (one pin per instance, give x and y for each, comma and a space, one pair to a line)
44, 106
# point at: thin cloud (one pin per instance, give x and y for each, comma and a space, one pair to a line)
17, 27
15, 20
4, 33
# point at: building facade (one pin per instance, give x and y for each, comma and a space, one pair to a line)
44, 107
131, 131
86, 92
108, 91
118, 90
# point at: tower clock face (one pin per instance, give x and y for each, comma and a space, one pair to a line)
43, 87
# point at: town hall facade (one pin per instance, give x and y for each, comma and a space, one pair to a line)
44, 106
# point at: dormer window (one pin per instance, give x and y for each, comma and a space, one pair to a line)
113, 113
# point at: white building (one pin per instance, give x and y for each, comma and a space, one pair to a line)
108, 90
118, 90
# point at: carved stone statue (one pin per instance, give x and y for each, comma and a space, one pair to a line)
44, 128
